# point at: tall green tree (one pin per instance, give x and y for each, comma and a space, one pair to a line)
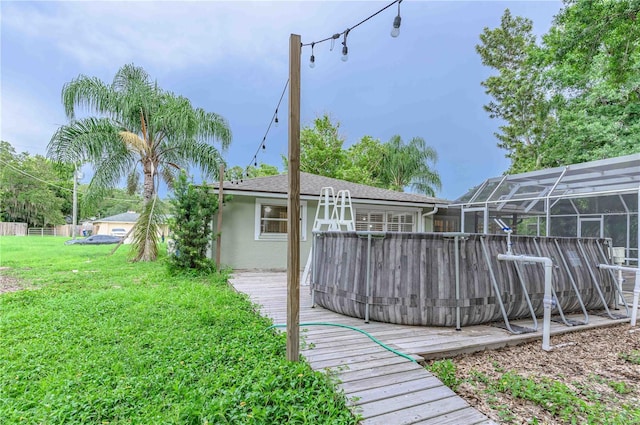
575, 97
193, 211
519, 96
115, 201
593, 67
262, 170
364, 161
410, 165
392, 165
31, 190
321, 150
138, 128
596, 33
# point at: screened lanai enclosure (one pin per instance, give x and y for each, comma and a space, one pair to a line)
551, 241
597, 199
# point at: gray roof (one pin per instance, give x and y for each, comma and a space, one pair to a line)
311, 184
128, 217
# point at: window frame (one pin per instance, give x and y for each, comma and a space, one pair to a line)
386, 211
274, 202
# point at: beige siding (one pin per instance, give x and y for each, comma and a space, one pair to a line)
106, 227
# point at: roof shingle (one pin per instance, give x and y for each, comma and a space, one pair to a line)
311, 184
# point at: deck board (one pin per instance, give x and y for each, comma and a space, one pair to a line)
383, 387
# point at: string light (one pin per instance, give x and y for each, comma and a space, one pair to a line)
312, 60
263, 145
395, 31
345, 49
312, 63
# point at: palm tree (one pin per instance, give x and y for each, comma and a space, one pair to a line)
138, 128
407, 165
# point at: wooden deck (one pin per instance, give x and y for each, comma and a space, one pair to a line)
384, 387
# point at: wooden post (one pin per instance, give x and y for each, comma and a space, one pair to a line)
293, 210
219, 231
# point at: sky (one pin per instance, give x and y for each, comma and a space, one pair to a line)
232, 58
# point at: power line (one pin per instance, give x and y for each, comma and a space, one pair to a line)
34, 177
55, 185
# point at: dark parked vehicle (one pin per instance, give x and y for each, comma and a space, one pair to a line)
94, 240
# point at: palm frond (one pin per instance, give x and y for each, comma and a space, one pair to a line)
88, 92
133, 182
131, 78
169, 173
204, 156
83, 140
145, 234
214, 126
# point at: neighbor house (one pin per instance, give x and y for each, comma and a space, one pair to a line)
254, 222
120, 225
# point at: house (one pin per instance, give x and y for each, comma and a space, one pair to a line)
120, 224
254, 222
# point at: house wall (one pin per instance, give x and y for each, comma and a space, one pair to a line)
241, 250
105, 227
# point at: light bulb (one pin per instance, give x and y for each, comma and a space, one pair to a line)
312, 62
276, 121
396, 27
345, 54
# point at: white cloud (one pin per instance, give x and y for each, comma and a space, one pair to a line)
28, 122
172, 35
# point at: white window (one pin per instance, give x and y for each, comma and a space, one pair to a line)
385, 221
272, 218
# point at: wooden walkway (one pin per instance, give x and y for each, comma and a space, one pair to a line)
384, 387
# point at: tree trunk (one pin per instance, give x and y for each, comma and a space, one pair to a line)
148, 189
147, 251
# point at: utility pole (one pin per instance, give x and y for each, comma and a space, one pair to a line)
293, 210
74, 219
219, 235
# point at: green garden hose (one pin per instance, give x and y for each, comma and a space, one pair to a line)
380, 343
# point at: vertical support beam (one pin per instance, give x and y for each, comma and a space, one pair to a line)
485, 220
547, 212
548, 302
636, 295
293, 211
457, 259
219, 229
368, 282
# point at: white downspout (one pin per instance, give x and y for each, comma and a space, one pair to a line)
430, 213
548, 299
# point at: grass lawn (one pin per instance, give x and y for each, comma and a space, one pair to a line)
97, 339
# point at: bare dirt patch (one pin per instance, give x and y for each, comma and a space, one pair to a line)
601, 367
10, 283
